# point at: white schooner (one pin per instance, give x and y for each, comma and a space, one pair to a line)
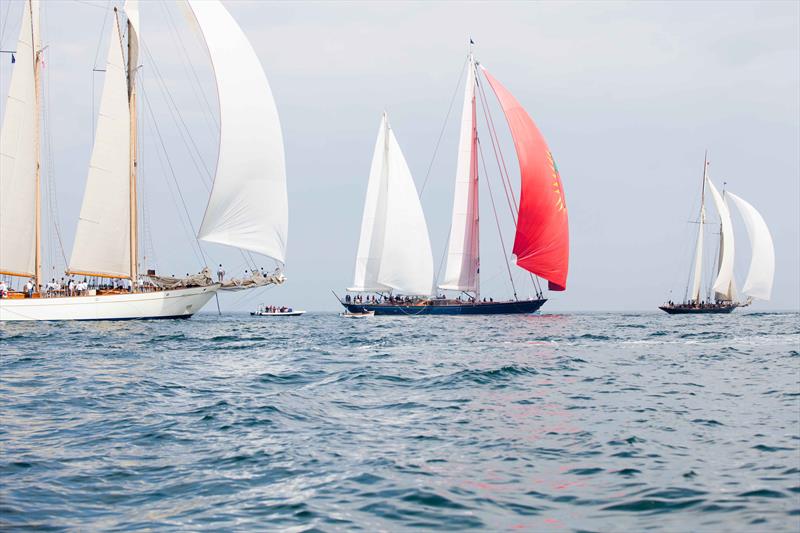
247, 207
760, 276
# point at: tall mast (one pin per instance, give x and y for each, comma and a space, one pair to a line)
134, 251
474, 164
37, 147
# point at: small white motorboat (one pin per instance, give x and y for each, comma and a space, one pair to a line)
365, 314
287, 311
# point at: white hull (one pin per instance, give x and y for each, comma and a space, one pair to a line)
177, 303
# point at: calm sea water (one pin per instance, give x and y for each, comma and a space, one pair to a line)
595, 422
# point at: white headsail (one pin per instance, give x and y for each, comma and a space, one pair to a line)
18, 154
762, 263
394, 251
698, 257
407, 260
248, 207
102, 240
723, 285
373, 221
463, 250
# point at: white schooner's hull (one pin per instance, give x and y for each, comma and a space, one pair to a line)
176, 303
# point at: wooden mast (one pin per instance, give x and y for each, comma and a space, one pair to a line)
37, 149
134, 247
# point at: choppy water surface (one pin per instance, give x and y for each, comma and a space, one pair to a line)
601, 422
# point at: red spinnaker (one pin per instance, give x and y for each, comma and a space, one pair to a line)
542, 240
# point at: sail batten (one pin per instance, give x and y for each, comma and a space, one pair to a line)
463, 249
761, 273
541, 243
18, 154
102, 239
248, 206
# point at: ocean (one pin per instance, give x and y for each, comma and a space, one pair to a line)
573, 422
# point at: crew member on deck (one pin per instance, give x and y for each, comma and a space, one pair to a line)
220, 273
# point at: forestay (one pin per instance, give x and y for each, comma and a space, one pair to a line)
18, 154
248, 207
461, 273
762, 263
102, 240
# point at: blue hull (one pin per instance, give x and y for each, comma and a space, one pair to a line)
436, 308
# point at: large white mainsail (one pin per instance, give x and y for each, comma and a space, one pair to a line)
762, 263
463, 250
723, 285
373, 221
18, 154
407, 259
248, 207
102, 240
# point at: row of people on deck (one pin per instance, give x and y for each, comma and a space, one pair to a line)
72, 287
274, 309
247, 273
699, 305
374, 300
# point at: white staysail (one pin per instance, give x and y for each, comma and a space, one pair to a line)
18, 154
102, 240
248, 207
698, 258
723, 285
762, 263
394, 251
461, 273
373, 221
407, 260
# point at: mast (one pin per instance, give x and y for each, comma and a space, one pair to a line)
37, 147
134, 247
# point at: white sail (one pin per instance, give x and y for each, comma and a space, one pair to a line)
762, 263
406, 263
373, 221
248, 207
463, 250
18, 159
102, 240
698, 258
724, 281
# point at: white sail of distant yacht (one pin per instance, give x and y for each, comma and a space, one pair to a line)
394, 250
247, 208
762, 264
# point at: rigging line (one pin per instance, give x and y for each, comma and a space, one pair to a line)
499, 149
175, 110
52, 195
191, 66
172, 171
444, 126
86, 3
498, 155
497, 220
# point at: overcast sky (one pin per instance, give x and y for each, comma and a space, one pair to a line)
628, 96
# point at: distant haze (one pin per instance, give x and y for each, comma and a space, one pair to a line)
628, 96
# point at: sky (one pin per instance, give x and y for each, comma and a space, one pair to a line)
629, 96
